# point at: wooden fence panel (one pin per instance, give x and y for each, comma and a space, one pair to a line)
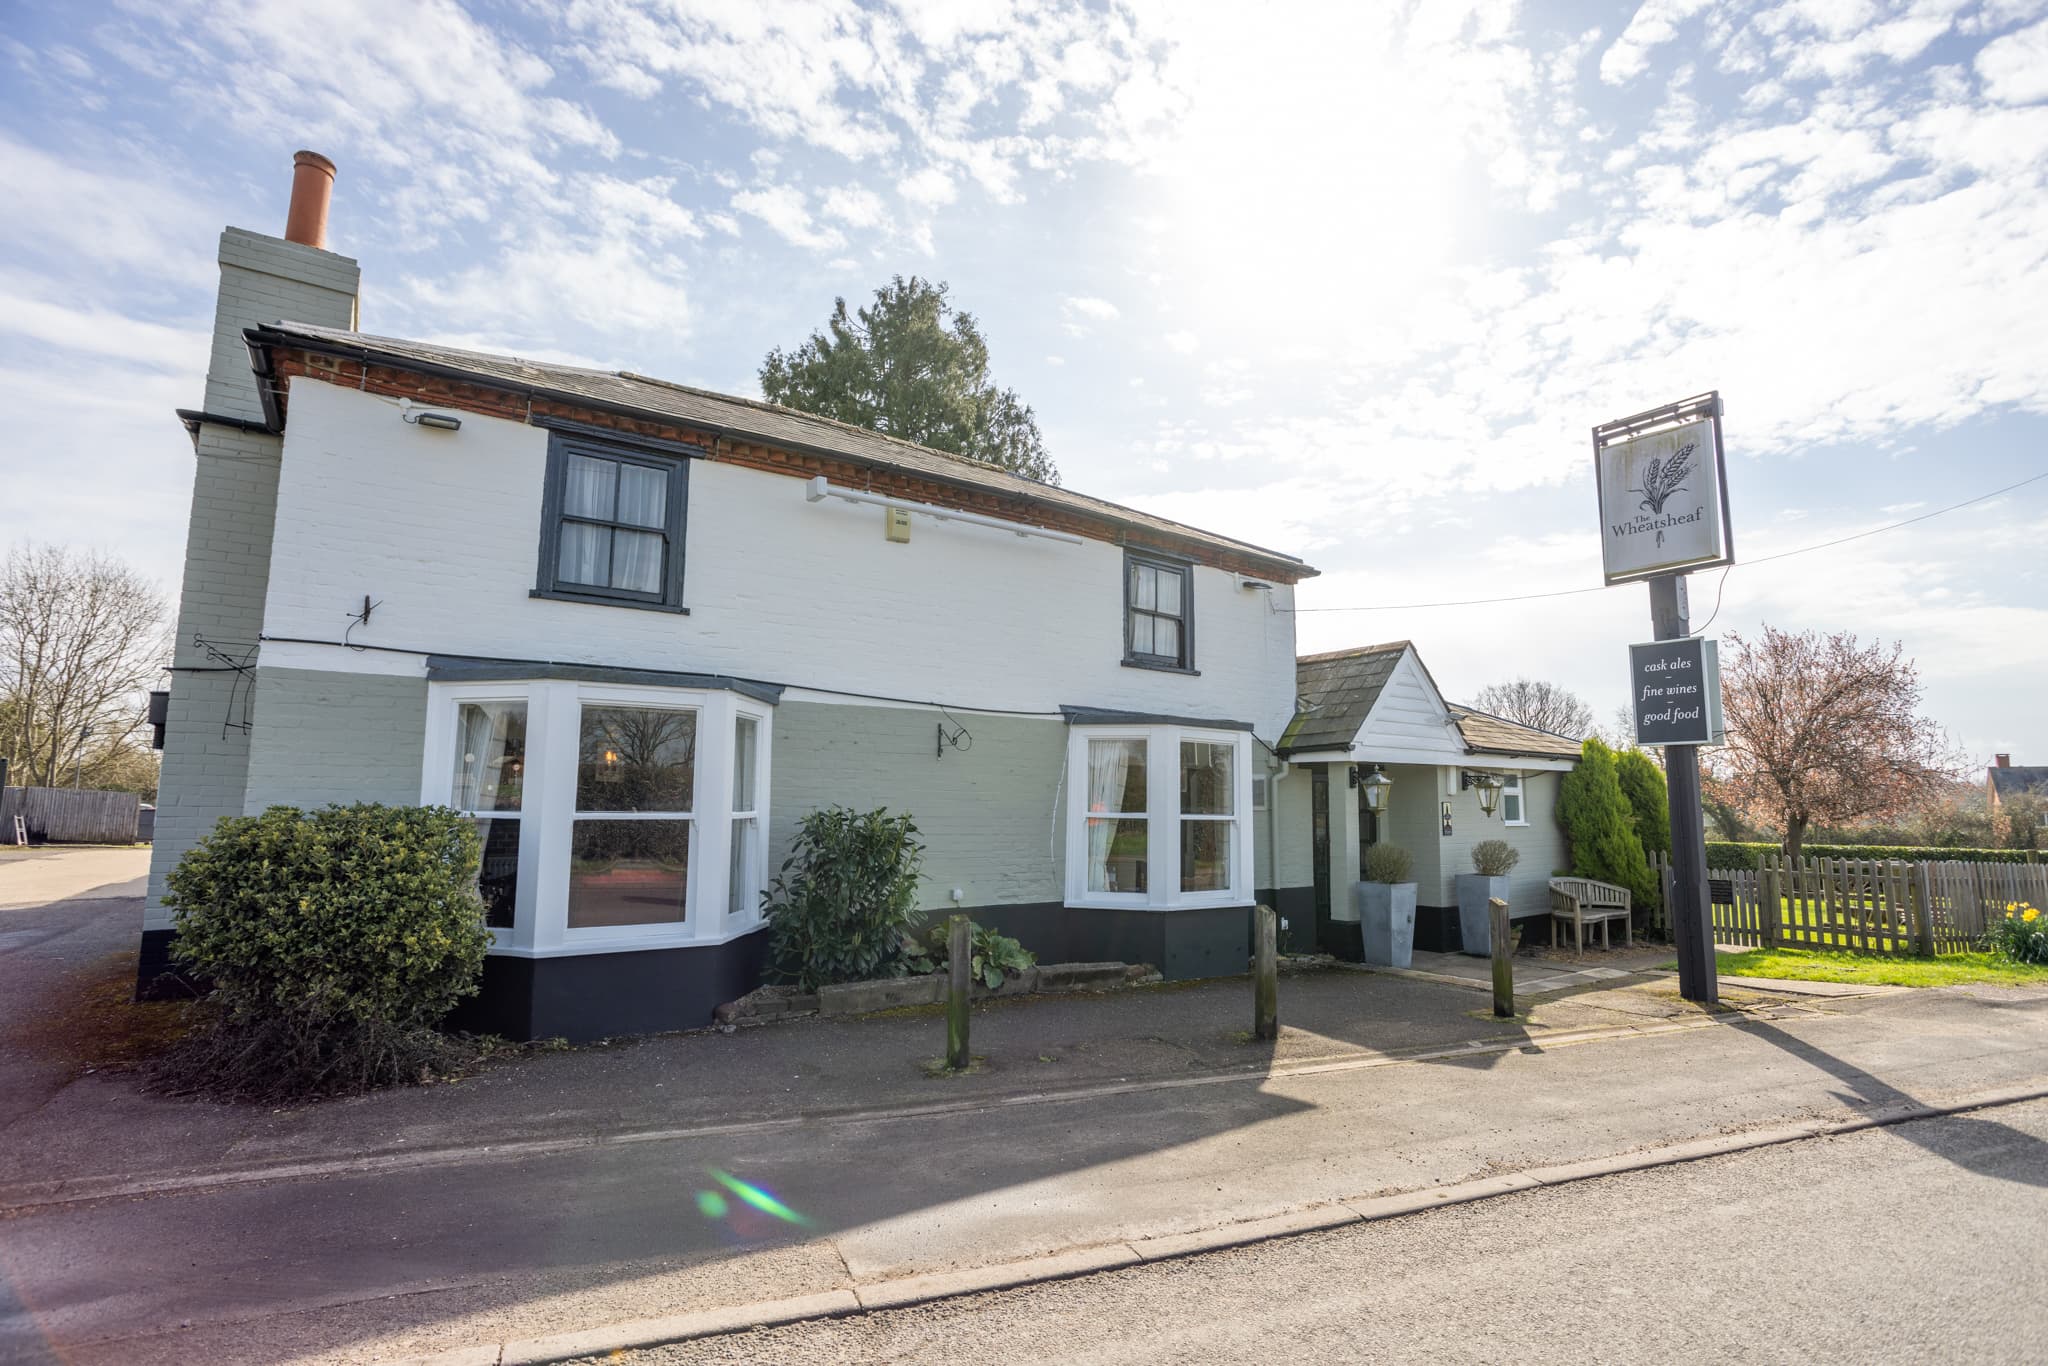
60, 815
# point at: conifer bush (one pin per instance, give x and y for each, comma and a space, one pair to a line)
334, 942
1600, 825
1649, 799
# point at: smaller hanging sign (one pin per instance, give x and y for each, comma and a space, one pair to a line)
1675, 691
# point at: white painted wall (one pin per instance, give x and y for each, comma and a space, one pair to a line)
442, 529
1408, 723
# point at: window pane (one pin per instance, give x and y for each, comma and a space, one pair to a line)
1116, 855
744, 897
1208, 784
1116, 776
636, 561
1141, 634
497, 877
1144, 586
1165, 638
490, 756
589, 487
1169, 592
636, 759
585, 554
1205, 856
743, 736
628, 872
643, 496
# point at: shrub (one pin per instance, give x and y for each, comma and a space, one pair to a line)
1649, 800
838, 909
1387, 863
1601, 827
2020, 935
992, 956
1728, 854
1495, 858
335, 942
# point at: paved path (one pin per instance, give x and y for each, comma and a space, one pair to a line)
391, 1255
38, 877
1915, 1243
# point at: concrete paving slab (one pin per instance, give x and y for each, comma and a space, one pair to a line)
1796, 987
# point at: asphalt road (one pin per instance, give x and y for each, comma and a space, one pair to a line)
1918, 1242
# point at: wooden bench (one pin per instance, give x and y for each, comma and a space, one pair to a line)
1582, 901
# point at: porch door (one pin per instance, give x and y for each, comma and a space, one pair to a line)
1319, 801
1368, 829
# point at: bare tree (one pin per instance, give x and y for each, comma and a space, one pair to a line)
1823, 731
81, 640
1534, 702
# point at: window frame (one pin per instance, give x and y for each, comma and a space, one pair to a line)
1164, 819
1184, 662
1514, 785
548, 809
675, 464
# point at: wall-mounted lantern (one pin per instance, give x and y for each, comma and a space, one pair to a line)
1489, 789
1376, 785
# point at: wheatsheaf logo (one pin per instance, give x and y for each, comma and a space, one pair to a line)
1661, 479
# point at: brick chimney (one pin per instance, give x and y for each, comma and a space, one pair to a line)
263, 279
2002, 760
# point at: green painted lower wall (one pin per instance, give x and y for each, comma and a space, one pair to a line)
990, 814
323, 737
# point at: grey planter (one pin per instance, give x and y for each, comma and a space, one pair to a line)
1475, 923
1386, 922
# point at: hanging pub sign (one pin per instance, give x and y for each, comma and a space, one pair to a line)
1663, 491
1675, 691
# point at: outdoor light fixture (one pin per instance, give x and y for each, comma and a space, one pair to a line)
1489, 789
441, 422
1376, 785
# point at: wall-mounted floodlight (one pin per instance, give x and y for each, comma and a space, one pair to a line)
440, 422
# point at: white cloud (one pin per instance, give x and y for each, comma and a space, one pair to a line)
930, 188
644, 206
1184, 343
1090, 307
784, 208
854, 205
112, 215
535, 287
2015, 68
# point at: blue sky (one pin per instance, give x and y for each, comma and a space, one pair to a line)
1350, 281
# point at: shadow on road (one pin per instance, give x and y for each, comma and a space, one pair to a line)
1983, 1146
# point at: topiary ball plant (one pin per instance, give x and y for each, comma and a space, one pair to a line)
335, 941
1387, 863
1494, 858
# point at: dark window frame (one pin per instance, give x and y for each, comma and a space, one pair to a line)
672, 462
1184, 663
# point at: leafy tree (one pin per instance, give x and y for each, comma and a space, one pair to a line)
1649, 800
912, 366
2021, 821
1600, 824
81, 640
1535, 702
1823, 731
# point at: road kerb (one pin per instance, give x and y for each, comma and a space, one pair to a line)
903, 1291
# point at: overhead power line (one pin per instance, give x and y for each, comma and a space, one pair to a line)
1761, 559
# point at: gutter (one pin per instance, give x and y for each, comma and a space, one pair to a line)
259, 340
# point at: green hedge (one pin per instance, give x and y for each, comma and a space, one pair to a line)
1722, 854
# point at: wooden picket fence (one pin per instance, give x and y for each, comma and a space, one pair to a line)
1861, 905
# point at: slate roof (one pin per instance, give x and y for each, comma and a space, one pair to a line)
1335, 691
1487, 734
753, 421
2012, 782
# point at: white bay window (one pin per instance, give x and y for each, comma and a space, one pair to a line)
1158, 817
613, 817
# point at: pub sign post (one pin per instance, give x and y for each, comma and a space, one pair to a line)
1663, 492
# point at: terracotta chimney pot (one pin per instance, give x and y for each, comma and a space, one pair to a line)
312, 186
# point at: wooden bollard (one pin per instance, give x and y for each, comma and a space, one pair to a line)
1265, 974
1503, 966
959, 982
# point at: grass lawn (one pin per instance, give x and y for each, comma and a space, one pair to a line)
1880, 969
